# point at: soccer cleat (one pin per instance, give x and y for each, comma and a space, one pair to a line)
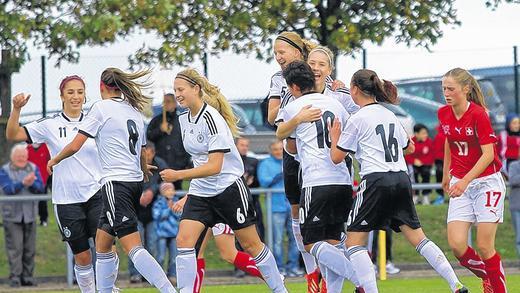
461, 289
359, 290
486, 286
313, 282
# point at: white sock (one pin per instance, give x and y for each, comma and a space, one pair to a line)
365, 273
186, 269
351, 272
85, 278
308, 260
332, 258
150, 269
106, 271
436, 258
267, 266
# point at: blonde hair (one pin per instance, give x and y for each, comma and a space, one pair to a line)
464, 78
303, 45
212, 96
116, 79
327, 52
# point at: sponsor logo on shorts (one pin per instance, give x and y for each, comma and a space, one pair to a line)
66, 232
124, 219
364, 223
315, 219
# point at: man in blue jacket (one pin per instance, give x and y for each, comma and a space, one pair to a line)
18, 177
270, 176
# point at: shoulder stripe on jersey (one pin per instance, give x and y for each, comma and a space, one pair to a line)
343, 90
85, 133
29, 139
47, 117
279, 73
202, 111
211, 123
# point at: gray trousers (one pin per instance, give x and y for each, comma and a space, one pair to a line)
20, 244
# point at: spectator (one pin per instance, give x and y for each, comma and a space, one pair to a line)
20, 176
438, 156
509, 142
167, 227
145, 224
514, 200
39, 155
165, 132
270, 176
423, 159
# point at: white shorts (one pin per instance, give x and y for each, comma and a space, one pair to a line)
220, 229
482, 202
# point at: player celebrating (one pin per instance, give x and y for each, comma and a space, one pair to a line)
384, 198
218, 193
476, 187
77, 199
117, 125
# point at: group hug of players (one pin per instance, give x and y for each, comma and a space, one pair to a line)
99, 168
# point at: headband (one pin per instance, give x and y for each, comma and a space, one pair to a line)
110, 87
290, 42
186, 78
324, 51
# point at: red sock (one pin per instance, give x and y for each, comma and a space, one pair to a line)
474, 263
496, 274
245, 262
201, 269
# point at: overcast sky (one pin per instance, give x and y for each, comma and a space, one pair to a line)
485, 38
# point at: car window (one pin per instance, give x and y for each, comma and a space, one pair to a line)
421, 112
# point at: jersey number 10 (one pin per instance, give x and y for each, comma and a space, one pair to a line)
133, 136
322, 129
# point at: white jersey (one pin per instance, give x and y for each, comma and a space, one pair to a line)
205, 133
313, 142
119, 132
377, 138
76, 179
343, 96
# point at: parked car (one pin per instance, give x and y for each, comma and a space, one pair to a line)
422, 110
255, 109
431, 89
406, 120
503, 78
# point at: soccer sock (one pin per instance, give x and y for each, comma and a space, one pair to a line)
106, 271
186, 269
85, 278
436, 258
267, 265
471, 260
352, 277
244, 262
150, 269
365, 273
333, 259
308, 260
201, 270
496, 274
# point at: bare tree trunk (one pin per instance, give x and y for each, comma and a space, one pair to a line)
6, 71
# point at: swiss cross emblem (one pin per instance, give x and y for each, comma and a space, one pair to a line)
469, 131
446, 129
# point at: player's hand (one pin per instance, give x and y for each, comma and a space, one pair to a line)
170, 175
337, 84
445, 183
458, 188
146, 198
417, 162
334, 131
166, 127
20, 100
50, 164
178, 206
308, 114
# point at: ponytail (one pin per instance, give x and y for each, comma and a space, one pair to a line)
117, 80
211, 95
464, 78
370, 84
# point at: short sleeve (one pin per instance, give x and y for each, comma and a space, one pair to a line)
348, 140
275, 89
92, 122
143, 135
402, 136
38, 131
483, 128
217, 133
346, 101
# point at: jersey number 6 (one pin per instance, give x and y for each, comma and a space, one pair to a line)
133, 136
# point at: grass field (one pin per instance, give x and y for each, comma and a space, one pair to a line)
431, 285
51, 261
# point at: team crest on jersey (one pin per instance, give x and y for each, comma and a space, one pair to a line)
200, 138
446, 129
469, 131
66, 232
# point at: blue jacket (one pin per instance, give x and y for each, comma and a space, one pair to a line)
166, 222
270, 176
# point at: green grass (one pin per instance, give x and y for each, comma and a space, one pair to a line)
430, 285
50, 250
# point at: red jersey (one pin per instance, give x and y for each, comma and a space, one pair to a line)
438, 144
465, 136
40, 157
423, 151
509, 146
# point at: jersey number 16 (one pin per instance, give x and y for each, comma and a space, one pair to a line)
390, 144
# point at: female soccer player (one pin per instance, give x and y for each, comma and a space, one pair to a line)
76, 193
476, 187
384, 198
117, 125
218, 193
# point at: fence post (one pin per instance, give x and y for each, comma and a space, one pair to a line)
269, 211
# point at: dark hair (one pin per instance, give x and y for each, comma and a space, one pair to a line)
418, 127
116, 79
169, 95
299, 73
370, 84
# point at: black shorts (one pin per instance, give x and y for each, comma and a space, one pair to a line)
79, 221
383, 200
291, 178
234, 206
323, 212
120, 205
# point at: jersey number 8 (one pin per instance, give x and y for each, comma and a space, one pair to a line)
133, 136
